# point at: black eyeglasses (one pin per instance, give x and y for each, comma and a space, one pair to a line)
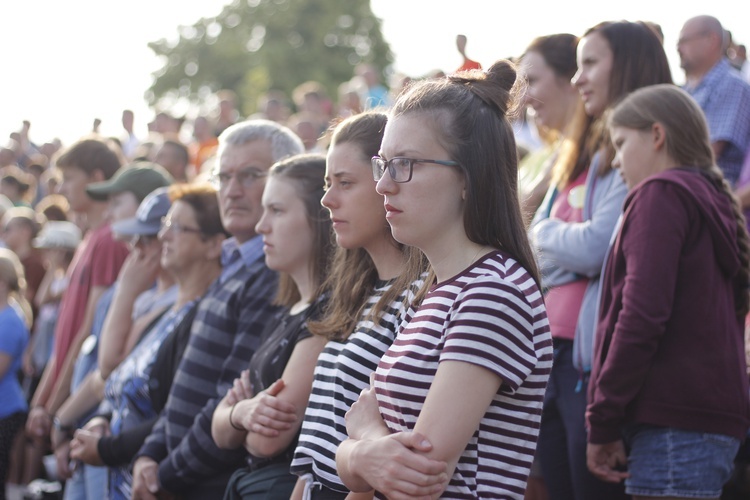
400, 169
168, 225
245, 177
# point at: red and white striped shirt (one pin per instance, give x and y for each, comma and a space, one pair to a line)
491, 315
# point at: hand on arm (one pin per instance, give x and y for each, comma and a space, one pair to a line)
449, 418
373, 456
275, 420
225, 428
83, 447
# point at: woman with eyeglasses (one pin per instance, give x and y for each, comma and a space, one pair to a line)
455, 403
191, 235
371, 278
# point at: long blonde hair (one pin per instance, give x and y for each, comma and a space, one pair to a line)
12, 274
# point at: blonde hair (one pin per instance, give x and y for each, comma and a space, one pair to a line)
12, 274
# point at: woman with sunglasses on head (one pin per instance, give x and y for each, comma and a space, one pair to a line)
371, 279
466, 374
191, 235
572, 230
298, 244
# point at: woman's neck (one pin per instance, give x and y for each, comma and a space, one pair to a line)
387, 257
452, 252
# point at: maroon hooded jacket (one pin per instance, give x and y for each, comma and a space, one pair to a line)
669, 349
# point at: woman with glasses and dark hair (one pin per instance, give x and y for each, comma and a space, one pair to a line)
455, 403
191, 235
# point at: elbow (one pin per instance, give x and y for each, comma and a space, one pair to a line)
267, 447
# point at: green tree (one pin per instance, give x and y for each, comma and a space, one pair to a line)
257, 45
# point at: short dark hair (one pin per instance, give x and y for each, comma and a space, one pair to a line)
181, 151
204, 202
91, 155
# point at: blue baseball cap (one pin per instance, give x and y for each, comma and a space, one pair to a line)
147, 220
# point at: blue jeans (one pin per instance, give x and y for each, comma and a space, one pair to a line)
669, 462
562, 437
87, 483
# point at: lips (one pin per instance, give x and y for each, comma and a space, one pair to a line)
390, 210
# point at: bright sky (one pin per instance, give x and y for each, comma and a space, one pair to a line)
70, 62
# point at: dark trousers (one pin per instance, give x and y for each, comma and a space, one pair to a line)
9, 427
272, 482
562, 438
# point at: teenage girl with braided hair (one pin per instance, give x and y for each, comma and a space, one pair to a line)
469, 365
669, 371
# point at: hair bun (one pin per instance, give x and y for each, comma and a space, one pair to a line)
494, 86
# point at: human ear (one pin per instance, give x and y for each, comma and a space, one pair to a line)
659, 135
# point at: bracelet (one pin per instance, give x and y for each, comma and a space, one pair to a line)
231, 422
68, 429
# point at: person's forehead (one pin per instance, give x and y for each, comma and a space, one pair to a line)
257, 154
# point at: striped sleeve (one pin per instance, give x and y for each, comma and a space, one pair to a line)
492, 326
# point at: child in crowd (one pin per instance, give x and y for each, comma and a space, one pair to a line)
669, 371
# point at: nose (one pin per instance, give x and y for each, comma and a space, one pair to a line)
616, 162
262, 227
385, 185
329, 199
578, 79
233, 188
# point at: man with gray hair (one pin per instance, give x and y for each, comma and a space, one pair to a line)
180, 456
718, 89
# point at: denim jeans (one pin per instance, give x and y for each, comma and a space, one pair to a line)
87, 483
664, 461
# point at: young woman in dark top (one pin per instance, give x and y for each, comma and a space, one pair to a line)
297, 243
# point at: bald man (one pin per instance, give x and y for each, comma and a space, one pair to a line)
719, 89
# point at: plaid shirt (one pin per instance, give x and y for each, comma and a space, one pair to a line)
725, 100
225, 334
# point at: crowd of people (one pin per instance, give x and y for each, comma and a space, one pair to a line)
394, 296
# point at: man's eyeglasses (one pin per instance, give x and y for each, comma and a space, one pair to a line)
400, 169
168, 225
245, 177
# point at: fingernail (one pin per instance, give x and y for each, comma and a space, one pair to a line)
424, 443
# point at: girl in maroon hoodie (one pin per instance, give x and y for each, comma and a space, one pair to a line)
668, 379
